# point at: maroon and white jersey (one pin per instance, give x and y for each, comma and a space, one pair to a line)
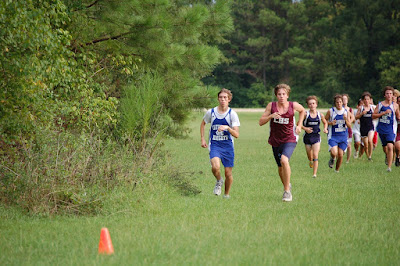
282, 130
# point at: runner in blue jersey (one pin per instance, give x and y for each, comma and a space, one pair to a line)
338, 121
312, 138
224, 124
386, 112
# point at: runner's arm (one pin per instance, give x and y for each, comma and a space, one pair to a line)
233, 131
203, 141
266, 116
299, 108
323, 119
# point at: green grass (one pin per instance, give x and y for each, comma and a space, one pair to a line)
346, 218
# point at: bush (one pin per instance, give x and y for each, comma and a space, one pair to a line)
60, 172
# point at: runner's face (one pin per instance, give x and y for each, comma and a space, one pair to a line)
338, 103
312, 104
282, 96
367, 100
345, 100
223, 99
389, 95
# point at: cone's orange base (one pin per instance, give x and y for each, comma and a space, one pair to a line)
105, 244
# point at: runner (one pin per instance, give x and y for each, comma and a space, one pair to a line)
356, 133
397, 143
386, 112
349, 129
338, 121
283, 133
312, 138
224, 124
367, 129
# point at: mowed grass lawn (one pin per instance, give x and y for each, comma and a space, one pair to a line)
351, 217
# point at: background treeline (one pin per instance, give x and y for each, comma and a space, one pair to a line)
319, 47
90, 88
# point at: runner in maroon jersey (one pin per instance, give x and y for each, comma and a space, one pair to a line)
283, 133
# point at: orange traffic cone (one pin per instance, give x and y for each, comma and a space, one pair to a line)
105, 244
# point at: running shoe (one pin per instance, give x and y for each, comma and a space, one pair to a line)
226, 196
336, 171
311, 164
287, 196
314, 176
386, 160
397, 163
331, 161
389, 169
217, 188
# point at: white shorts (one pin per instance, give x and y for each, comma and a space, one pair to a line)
357, 137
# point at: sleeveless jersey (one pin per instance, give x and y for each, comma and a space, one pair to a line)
366, 121
386, 123
282, 129
221, 139
356, 126
349, 129
314, 123
340, 129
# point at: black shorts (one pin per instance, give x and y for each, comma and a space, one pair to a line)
283, 149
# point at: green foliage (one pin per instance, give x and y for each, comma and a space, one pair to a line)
61, 173
389, 66
45, 83
143, 115
80, 112
317, 47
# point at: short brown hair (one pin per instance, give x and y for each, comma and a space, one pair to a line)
345, 94
388, 88
227, 92
282, 86
365, 94
312, 97
337, 96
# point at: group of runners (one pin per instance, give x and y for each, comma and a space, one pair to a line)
340, 122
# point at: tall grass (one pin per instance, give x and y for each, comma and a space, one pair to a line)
346, 218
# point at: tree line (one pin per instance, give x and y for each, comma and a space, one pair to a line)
318, 47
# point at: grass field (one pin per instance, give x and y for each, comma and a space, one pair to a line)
351, 217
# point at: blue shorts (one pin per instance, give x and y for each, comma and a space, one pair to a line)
283, 149
310, 139
341, 143
387, 138
227, 155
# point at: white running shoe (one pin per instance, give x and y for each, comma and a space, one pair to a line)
226, 196
287, 196
217, 188
389, 169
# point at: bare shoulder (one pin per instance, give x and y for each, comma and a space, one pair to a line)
298, 106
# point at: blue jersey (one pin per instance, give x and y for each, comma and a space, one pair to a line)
339, 130
312, 122
386, 123
222, 139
